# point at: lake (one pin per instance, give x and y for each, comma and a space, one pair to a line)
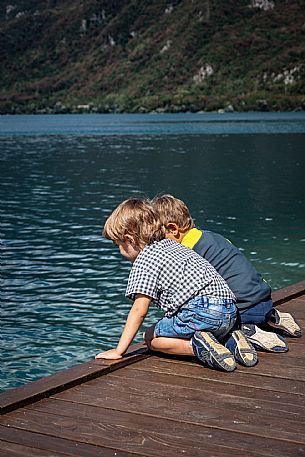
62, 284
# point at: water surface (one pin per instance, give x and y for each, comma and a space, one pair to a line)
62, 284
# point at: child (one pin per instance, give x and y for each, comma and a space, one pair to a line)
198, 305
253, 294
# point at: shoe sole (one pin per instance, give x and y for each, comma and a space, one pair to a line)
216, 355
267, 341
286, 324
245, 353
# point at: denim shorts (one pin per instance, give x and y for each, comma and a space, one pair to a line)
209, 314
257, 314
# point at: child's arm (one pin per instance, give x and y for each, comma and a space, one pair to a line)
134, 321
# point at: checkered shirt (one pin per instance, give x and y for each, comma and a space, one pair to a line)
171, 274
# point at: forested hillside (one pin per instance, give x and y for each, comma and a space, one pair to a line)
151, 55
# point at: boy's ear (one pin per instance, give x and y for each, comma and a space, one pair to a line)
129, 239
172, 228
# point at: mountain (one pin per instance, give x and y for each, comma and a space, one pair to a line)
151, 55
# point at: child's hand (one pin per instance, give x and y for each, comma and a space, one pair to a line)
112, 354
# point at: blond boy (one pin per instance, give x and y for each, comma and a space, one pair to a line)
197, 303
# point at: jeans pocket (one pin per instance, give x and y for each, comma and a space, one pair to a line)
226, 326
207, 322
185, 323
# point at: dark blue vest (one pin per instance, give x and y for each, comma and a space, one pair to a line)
242, 278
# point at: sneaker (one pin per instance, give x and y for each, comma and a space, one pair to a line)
209, 351
285, 323
264, 341
242, 349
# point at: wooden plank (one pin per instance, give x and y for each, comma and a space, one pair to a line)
293, 307
12, 449
238, 377
160, 437
54, 445
244, 392
288, 293
223, 411
34, 391
184, 401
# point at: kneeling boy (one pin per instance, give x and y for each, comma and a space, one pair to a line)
198, 304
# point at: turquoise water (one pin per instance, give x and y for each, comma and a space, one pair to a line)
62, 284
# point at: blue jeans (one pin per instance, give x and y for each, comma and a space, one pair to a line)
257, 314
213, 315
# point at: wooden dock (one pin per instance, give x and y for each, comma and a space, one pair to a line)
146, 405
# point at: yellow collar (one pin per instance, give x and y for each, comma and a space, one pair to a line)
191, 238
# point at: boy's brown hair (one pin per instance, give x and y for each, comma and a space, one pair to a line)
135, 217
171, 209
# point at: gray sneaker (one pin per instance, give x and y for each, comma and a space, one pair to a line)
285, 323
241, 348
209, 351
264, 341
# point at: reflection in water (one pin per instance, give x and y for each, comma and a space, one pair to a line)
63, 285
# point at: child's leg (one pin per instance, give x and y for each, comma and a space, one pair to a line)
217, 316
257, 314
259, 317
202, 345
173, 346
264, 314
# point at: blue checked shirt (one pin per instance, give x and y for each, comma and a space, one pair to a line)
170, 274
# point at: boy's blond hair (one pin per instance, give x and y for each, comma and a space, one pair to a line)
171, 209
135, 217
